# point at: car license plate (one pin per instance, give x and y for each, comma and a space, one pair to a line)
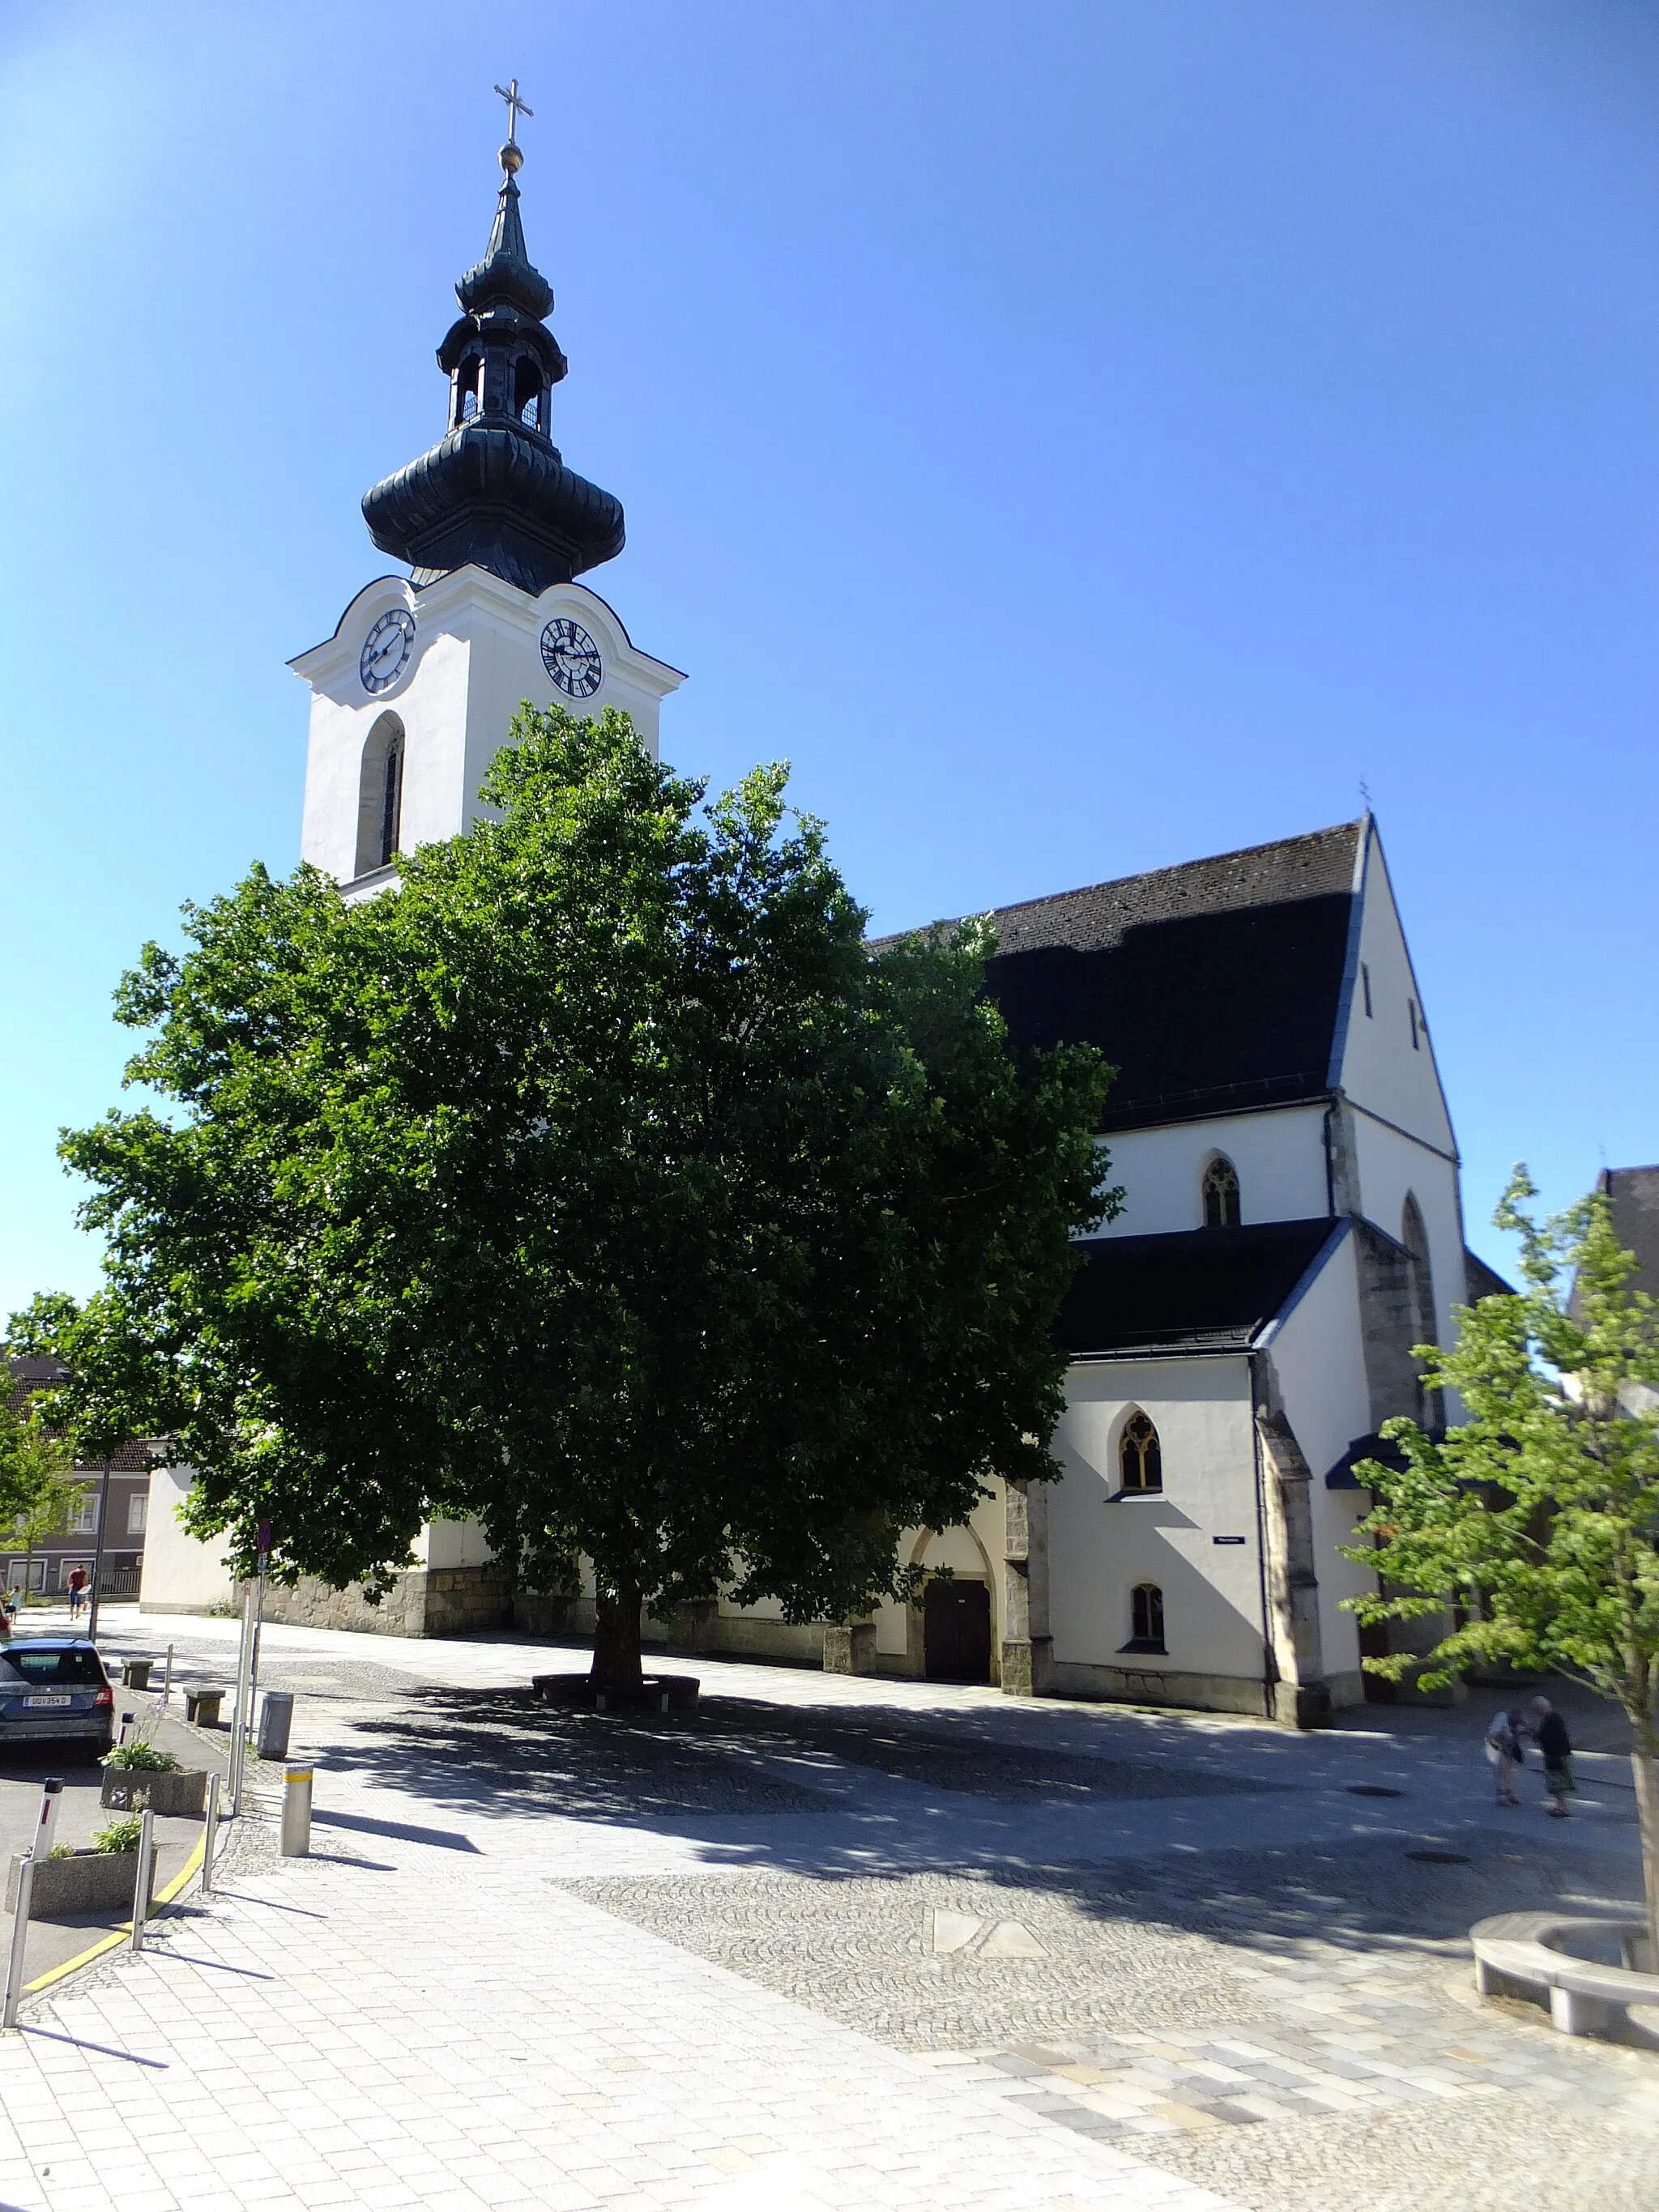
34, 1703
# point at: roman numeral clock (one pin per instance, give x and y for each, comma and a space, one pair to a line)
414, 691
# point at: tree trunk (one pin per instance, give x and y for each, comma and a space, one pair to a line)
1645, 1767
616, 1640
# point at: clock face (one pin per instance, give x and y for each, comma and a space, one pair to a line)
387, 649
571, 657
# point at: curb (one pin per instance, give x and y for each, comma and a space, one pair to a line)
191, 1866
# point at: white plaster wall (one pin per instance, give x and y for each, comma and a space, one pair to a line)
1318, 1363
179, 1569
1377, 1067
476, 658
1098, 1552
1389, 1166
453, 1544
1279, 1156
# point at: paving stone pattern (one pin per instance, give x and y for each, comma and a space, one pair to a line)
818, 1948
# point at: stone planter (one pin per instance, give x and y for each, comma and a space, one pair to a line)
657, 1693
87, 1881
183, 1795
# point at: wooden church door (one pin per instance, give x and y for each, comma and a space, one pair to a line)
957, 1632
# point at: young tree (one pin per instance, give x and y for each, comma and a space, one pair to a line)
1535, 1523
597, 1181
36, 1492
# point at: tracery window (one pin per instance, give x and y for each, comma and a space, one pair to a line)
1146, 1614
1221, 1194
1140, 1457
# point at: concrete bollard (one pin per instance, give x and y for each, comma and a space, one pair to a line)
276, 1719
296, 1813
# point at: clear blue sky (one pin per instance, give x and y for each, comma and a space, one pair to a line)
1080, 434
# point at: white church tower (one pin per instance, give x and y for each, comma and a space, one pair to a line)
414, 692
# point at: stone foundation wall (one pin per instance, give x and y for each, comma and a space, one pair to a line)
425, 1601
1213, 1693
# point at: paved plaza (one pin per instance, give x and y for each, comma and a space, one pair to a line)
834, 1943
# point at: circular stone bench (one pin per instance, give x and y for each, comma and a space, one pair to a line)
659, 1693
1524, 1949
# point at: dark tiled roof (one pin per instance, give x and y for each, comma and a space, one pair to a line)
1210, 987
1205, 1289
1481, 1281
31, 1372
1341, 1475
1635, 1195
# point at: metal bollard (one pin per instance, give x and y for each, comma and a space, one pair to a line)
20, 1935
296, 1813
209, 1834
166, 1682
45, 1827
141, 1884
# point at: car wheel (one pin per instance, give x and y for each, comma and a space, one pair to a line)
100, 1747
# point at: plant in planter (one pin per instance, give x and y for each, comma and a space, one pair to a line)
142, 1756
120, 1835
139, 1773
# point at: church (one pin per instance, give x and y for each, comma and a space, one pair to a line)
1292, 1219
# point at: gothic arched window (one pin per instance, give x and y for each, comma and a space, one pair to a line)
1221, 1194
380, 796
1140, 1458
1146, 1616
1420, 1275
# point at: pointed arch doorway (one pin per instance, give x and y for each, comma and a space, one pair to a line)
956, 1630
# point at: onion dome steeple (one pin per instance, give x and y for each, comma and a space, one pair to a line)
495, 491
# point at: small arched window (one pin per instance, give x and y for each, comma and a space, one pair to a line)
1140, 1458
1146, 1617
380, 796
467, 388
1221, 1194
527, 392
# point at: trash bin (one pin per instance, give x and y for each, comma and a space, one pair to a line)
276, 1719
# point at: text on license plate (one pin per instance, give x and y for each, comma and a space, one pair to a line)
37, 1702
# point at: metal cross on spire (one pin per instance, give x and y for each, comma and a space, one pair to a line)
515, 108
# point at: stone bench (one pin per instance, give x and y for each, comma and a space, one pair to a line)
202, 1707
1525, 1948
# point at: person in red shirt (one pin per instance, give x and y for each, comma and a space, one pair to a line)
77, 1590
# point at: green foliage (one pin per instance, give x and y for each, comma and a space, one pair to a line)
1537, 1516
597, 1181
139, 1755
120, 1835
35, 1490
60, 1852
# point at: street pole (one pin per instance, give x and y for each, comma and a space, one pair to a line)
239, 1710
258, 1623
98, 1557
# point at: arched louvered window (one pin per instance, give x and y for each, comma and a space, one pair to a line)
527, 389
467, 388
1221, 1194
1139, 1458
380, 796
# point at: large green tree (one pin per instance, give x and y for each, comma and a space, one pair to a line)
1532, 1527
599, 1182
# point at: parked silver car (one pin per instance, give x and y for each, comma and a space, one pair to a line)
55, 1687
